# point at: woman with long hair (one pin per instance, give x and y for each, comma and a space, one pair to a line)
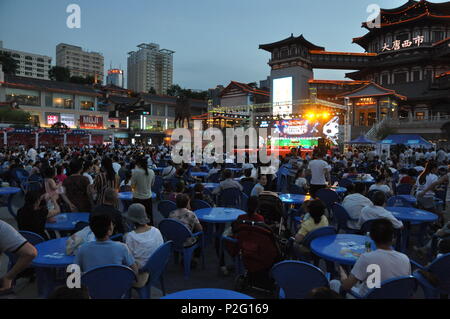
106, 179
426, 178
142, 179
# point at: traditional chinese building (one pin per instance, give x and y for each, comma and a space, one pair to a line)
403, 75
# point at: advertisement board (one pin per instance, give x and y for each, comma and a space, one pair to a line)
91, 122
282, 96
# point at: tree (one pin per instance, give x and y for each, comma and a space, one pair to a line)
174, 90
82, 80
11, 116
59, 73
8, 62
152, 90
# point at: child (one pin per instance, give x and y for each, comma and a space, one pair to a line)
300, 180
314, 218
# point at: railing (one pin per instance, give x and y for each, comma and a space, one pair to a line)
373, 132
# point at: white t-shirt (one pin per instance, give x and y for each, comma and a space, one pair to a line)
91, 180
429, 179
353, 204
301, 182
257, 189
32, 153
392, 264
143, 245
384, 188
116, 166
318, 169
376, 212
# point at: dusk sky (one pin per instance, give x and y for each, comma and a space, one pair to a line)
216, 41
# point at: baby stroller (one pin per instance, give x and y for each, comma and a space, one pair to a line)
271, 208
257, 250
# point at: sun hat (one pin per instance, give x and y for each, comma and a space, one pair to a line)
136, 213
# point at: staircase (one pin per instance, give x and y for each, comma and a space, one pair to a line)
373, 132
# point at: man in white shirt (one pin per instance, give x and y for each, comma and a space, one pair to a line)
116, 166
377, 211
391, 263
32, 153
354, 203
319, 170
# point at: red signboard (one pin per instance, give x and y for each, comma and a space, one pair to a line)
91, 122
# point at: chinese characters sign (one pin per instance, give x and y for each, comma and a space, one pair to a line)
398, 44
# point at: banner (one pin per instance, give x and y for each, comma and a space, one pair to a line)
91, 122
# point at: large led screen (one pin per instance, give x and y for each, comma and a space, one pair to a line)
282, 96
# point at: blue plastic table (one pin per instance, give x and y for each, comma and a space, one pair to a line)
128, 196
218, 215
339, 189
343, 249
207, 293
52, 254
293, 198
209, 186
409, 198
10, 192
67, 221
365, 181
411, 214
50, 263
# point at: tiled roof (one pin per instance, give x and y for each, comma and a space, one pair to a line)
14, 81
246, 88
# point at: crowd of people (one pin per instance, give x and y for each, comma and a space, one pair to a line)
89, 178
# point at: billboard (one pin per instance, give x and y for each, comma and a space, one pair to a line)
282, 96
68, 119
91, 122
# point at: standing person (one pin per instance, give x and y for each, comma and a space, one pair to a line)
32, 153
12, 242
444, 179
76, 188
106, 179
319, 171
142, 180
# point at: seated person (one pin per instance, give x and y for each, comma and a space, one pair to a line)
351, 173
354, 202
409, 178
11, 241
108, 207
125, 185
167, 190
300, 179
189, 219
103, 251
179, 189
381, 185
38, 207
247, 176
313, 219
214, 170
259, 188
252, 211
229, 182
392, 263
377, 211
169, 171
143, 241
199, 193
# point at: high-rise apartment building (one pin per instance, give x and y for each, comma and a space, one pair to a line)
79, 62
150, 67
115, 77
29, 64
